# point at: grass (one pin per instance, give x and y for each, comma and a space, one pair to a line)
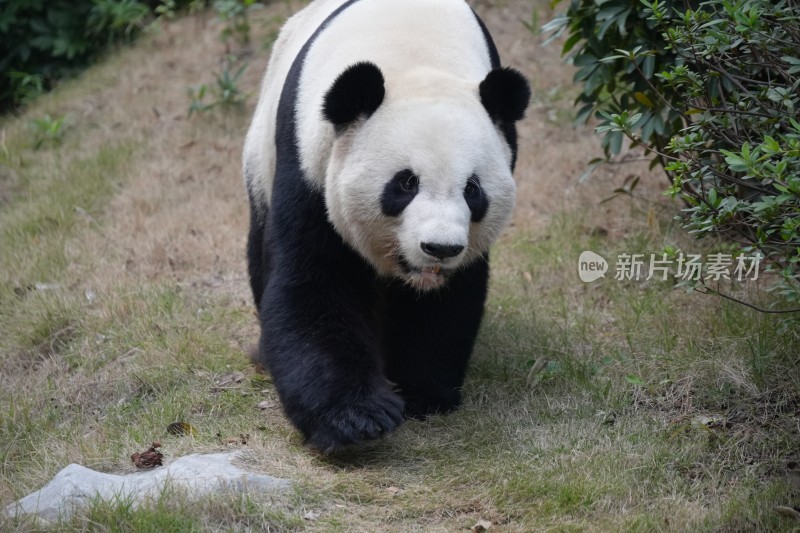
664, 393
124, 305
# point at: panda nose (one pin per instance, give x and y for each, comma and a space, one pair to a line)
441, 251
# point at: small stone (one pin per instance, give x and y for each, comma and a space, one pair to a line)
200, 475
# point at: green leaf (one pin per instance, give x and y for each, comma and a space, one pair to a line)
571, 42
734, 161
635, 380
712, 197
770, 145
794, 62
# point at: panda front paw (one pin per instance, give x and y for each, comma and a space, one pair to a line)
365, 417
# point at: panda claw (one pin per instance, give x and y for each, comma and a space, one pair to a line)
357, 422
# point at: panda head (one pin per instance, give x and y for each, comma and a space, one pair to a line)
419, 179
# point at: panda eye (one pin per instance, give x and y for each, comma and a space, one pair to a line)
473, 188
476, 199
399, 192
407, 181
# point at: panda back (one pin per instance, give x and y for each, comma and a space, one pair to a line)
259, 148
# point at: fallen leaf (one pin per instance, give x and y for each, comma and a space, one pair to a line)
527, 276
311, 515
179, 429
266, 404
228, 381
482, 525
394, 491
149, 458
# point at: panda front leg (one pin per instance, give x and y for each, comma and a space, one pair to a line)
428, 339
319, 341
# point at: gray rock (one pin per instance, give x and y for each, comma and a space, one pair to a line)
199, 475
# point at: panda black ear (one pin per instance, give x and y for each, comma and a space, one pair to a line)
505, 94
357, 91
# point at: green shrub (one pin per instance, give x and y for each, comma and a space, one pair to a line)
42, 41
601, 28
116, 19
712, 89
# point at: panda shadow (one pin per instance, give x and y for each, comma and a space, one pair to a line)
414, 443
369, 454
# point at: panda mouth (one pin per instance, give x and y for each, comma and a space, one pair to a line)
427, 277
435, 269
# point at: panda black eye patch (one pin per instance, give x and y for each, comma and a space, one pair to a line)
476, 199
399, 192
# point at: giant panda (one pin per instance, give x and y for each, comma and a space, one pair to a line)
378, 167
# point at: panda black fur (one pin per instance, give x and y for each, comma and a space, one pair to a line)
378, 167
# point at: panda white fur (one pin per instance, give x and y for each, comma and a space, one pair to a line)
378, 167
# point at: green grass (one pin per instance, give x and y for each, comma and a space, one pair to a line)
637, 370
172, 513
